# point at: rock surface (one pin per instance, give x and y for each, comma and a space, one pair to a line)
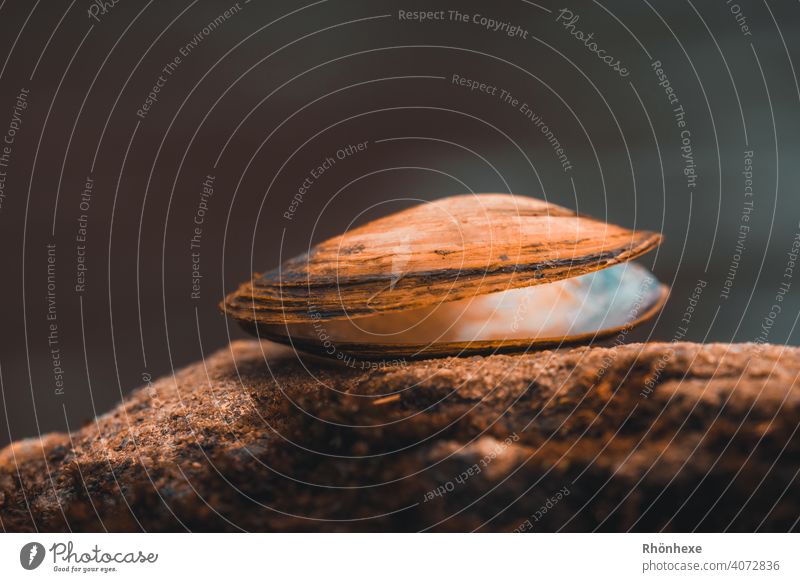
672, 437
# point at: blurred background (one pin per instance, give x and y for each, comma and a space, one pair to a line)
109, 284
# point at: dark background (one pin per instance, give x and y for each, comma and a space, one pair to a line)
280, 86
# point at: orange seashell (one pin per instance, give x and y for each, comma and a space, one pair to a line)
461, 275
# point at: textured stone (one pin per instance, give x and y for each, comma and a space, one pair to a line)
637, 437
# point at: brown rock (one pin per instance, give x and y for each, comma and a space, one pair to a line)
642, 437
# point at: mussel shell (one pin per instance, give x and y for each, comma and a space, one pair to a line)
577, 310
451, 249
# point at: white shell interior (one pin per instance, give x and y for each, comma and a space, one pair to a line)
605, 299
